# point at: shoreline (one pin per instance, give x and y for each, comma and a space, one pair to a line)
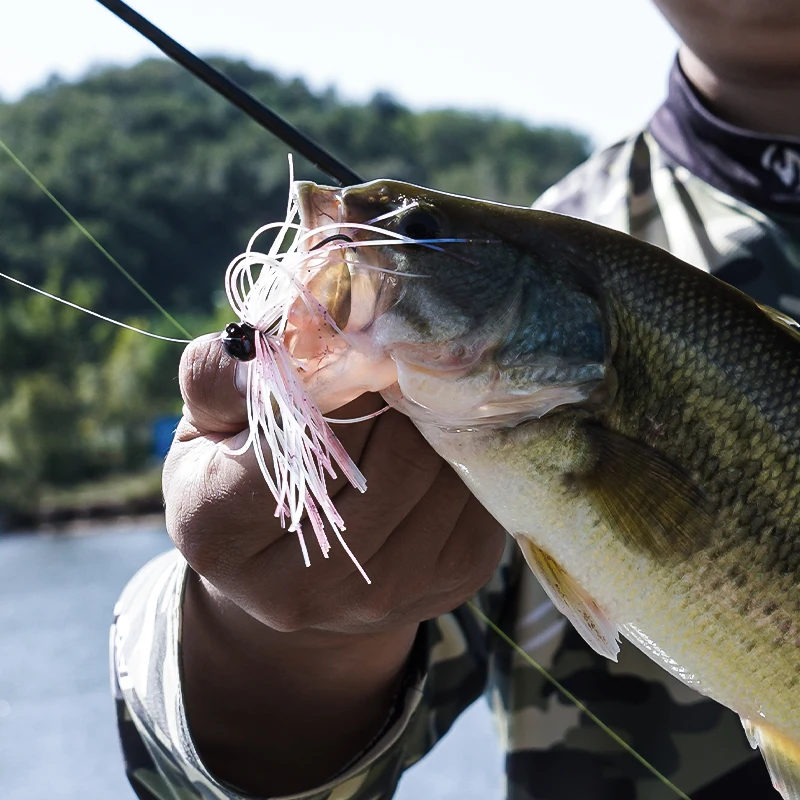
97, 519
127, 496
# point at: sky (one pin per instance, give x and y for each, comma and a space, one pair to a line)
599, 66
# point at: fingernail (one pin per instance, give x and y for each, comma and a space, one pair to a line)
240, 377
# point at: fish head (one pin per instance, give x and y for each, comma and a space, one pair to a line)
462, 312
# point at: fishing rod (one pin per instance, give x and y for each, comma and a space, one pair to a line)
234, 93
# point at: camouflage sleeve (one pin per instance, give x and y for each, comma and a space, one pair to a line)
447, 673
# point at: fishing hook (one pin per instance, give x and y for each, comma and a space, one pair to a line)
336, 237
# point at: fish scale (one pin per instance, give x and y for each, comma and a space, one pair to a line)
634, 423
725, 332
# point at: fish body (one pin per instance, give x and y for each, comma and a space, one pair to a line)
632, 421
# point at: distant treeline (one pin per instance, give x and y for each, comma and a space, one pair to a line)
172, 180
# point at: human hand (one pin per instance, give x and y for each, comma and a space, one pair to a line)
276, 655
425, 542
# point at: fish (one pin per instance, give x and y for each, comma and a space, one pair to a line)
633, 422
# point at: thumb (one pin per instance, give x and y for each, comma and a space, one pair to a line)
207, 375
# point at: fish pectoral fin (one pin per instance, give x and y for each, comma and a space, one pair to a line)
571, 600
781, 754
650, 501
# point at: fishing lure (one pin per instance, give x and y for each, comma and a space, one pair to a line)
293, 443
295, 448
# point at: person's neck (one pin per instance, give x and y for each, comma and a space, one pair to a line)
755, 101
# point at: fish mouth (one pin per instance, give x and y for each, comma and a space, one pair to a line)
318, 207
328, 326
351, 345
338, 344
340, 279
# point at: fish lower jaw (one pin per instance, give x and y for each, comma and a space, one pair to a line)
464, 398
347, 375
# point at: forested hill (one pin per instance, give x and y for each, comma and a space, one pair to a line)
173, 179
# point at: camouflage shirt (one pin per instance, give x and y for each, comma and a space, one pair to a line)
553, 751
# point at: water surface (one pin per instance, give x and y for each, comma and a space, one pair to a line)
57, 730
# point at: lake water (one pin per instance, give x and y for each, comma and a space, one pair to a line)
57, 731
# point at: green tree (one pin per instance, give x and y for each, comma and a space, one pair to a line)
172, 180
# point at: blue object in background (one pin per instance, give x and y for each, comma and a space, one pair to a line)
163, 431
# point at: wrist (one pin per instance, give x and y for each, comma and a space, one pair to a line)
255, 697
378, 654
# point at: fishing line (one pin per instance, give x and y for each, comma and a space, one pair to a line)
337, 242
531, 661
343, 175
93, 313
102, 249
578, 704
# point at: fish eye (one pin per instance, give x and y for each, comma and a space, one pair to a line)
419, 224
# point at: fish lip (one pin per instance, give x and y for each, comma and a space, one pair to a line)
317, 206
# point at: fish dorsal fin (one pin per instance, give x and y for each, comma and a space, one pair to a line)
571, 600
786, 322
654, 504
781, 754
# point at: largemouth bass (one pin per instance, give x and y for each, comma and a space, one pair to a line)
632, 421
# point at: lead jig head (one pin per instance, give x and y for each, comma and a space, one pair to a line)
240, 341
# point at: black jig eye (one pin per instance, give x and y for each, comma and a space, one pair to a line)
419, 224
240, 341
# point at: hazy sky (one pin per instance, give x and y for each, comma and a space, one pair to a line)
598, 65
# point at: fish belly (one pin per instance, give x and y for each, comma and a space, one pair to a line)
664, 609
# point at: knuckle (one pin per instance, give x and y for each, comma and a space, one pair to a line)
193, 365
298, 609
286, 598
377, 615
288, 617
411, 454
195, 525
206, 379
398, 448
205, 551
479, 578
467, 564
